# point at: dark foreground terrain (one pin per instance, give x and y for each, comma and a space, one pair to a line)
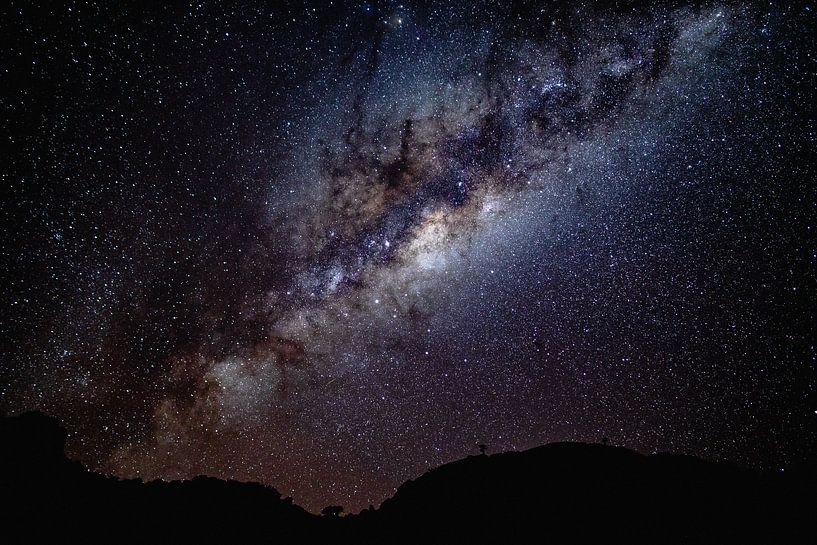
558, 493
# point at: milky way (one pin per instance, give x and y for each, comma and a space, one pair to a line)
327, 247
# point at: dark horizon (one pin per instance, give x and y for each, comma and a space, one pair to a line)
328, 247
807, 471
561, 492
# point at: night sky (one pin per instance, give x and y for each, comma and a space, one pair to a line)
329, 246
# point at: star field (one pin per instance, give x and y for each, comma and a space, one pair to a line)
326, 246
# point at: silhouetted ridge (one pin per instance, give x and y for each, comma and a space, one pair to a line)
33, 448
585, 493
557, 493
48, 498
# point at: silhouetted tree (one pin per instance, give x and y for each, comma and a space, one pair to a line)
332, 510
604, 440
482, 449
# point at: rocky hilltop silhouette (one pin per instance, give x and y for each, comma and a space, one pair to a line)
557, 493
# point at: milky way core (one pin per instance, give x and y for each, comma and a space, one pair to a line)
327, 247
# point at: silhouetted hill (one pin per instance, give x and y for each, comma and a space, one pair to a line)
581, 493
558, 493
48, 498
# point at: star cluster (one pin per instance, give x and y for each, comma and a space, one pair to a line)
328, 246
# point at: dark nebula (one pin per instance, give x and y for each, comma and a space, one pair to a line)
328, 246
